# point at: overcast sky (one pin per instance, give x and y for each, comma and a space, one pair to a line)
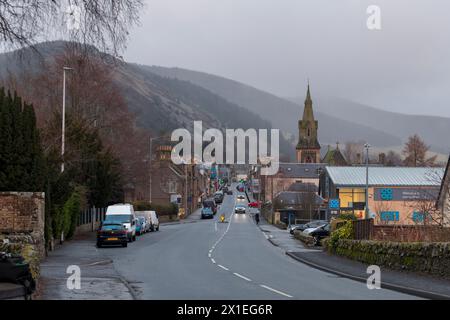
275, 45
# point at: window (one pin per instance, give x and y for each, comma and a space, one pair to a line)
390, 216
349, 197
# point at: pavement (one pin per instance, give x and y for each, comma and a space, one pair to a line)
202, 260
99, 279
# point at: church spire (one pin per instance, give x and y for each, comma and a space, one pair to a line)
308, 113
308, 94
308, 147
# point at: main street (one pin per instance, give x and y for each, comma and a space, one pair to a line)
207, 259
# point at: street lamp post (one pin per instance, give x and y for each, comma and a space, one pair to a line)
63, 146
367, 147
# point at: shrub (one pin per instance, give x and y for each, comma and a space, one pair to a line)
345, 231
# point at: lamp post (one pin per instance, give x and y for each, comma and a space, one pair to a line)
367, 147
63, 136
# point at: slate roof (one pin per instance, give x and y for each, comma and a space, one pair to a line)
290, 198
300, 170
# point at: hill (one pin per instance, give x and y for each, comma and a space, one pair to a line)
160, 104
339, 119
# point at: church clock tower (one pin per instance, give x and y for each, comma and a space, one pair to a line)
308, 147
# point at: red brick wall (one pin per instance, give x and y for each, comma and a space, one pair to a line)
22, 212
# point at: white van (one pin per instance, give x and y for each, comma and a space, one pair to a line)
123, 213
151, 217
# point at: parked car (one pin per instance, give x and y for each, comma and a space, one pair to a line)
309, 225
230, 192
210, 203
320, 233
112, 234
145, 225
240, 197
254, 204
294, 227
207, 213
154, 221
240, 209
123, 214
138, 227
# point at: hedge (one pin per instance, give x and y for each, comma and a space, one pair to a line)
431, 258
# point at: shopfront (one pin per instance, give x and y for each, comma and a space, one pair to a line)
396, 195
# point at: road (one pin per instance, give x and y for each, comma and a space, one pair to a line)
225, 261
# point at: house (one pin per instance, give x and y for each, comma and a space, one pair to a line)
289, 174
334, 157
304, 206
185, 185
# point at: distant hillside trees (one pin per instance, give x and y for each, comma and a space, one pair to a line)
22, 166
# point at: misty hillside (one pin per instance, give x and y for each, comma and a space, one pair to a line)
434, 130
160, 104
339, 120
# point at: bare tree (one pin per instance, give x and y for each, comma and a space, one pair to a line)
393, 159
425, 205
103, 23
415, 152
94, 99
353, 151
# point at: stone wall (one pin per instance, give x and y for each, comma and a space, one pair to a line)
432, 258
22, 221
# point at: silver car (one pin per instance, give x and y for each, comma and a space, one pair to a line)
240, 209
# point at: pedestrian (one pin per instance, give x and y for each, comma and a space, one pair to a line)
257, 218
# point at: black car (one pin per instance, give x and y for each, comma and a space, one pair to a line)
207, 213
218, 198
320, 233
112, 234
312, 224
210, 203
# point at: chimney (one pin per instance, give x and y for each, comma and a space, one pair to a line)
382, 158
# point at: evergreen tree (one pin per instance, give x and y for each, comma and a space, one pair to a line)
22, 166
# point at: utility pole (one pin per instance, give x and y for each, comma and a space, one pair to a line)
367, 146
63, 138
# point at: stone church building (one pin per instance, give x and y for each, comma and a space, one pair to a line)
308, 147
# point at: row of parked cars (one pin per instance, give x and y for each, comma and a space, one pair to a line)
318, 229
209, 209
122, 225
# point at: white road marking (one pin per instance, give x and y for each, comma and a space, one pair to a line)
213, 261
209, 255
215, 226
224, 268
242, 277
276, 291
